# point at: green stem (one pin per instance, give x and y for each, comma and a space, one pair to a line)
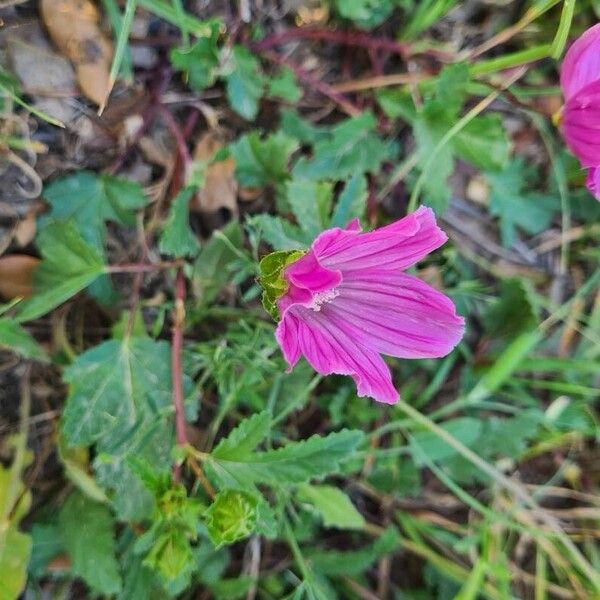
516, 59
560, 39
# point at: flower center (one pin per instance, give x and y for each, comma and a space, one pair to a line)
321, 298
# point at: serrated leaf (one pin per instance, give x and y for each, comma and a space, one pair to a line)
284, 86
259, 161
86, 529
232, 516
89, 200
352, 202
120, 399
350, 147
296, 462
200, 61
280, 234
310, 202
177, 238
245, 437
515, 208
14, 337
483, 143
334, 506
245, 82
69, 265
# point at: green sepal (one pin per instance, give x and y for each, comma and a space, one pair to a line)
271, 278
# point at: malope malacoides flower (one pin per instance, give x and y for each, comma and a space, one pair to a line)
580, 119
347, 301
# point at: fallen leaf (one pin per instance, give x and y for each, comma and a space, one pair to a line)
73, 26
220, 186
16, 274
25, 230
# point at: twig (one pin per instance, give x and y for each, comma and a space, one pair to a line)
176, 365
324, 88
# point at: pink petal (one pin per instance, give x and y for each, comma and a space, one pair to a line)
396, 314
593, 182
581, 65
581, 125
396, 246
306, 277
330, 348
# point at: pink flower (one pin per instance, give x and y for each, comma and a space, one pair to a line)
581, 65
580, 83
593, 182
348, 301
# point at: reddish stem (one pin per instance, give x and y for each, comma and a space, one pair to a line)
171, 123
176, 364
325, 89
348, 38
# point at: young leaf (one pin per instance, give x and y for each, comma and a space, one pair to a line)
352, 201
200, 61
296, 462
483, 143
245, 82
177, 238
69, 266
86, 529
231, 517
334, 506
14, 337
284, 86
310, 202
261, 161
350, 147
365, 13
245, 437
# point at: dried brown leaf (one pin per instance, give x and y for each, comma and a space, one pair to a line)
16, 273
73, 26
220, 187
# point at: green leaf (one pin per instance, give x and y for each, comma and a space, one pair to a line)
350, 147
310, 202
284, 86
365, 13
261, 161
211, 272
245, 82
120, 399
348, 564
14, 337
69, 266
199, 62
483, 143
352, 201
46, 545
86, 529
296, 462
177, 238
14, 556
514, 310
231, 517
171, 555
89, 200
334, 506
278, 232
466, 429
245, 437
516, 208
